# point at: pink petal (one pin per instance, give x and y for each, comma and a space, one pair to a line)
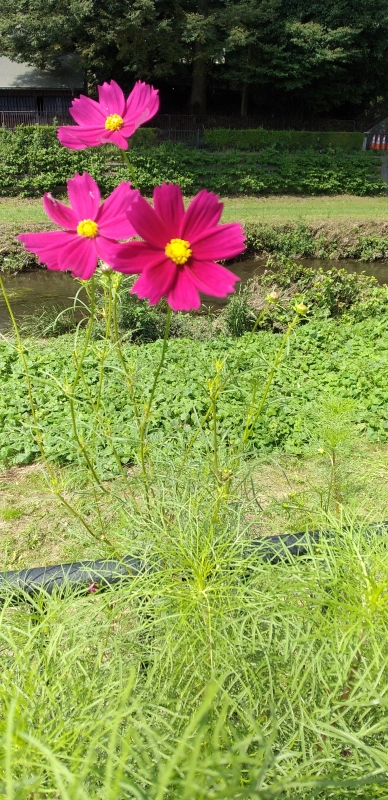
47, 246
211, 278
77, 138
62, 215
141, 105
148, 224
183, 296
79, 256
86, 111
111, 98
107, 250
112, 219
168, 204
69, 136
114, 137
156, 281
84, 196
137, 256
203, 212
225, 241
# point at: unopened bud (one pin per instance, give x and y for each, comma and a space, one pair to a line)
105, 268
300, 308
272, 297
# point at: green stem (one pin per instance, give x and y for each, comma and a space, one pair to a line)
215, 442
127, 374
144, 423
252, 415
222, 386
131, 170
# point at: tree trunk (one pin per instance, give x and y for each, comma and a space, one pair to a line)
197, 101
198, 87
244, 100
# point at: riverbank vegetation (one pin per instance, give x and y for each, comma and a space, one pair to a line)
340, 227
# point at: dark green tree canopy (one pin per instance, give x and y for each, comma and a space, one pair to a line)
318, 54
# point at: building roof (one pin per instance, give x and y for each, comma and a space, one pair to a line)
15, 75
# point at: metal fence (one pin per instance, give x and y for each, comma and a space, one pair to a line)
176, 122
180, 127
11, 119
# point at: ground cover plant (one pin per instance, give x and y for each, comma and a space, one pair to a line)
212, 672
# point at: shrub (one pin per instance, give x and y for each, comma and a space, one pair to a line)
32, 161
260, 139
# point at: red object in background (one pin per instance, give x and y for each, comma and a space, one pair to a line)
378, 142
373, 143
383, 142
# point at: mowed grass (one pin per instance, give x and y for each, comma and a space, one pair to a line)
310, 210
270, 210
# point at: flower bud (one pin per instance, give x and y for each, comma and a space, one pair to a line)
300, 308
105, 268
272, 297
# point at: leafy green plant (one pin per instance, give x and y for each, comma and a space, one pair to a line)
325, 354
331, 293
260, 139
32, 161
237, 315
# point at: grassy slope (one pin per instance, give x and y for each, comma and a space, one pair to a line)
277, 210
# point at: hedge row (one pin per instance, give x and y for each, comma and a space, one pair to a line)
32, 161
260, 139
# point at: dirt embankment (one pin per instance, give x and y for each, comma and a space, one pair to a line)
13, 255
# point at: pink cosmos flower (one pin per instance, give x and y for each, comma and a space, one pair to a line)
112, 120
91, 231
176, 260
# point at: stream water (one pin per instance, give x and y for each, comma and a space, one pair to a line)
31, 292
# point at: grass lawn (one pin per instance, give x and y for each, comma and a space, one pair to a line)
272, 209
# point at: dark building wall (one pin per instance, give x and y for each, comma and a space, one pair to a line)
39, 101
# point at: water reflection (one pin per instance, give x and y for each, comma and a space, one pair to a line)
31, 292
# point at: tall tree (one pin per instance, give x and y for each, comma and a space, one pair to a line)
322, 54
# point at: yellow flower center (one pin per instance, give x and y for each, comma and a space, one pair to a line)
87, 228
114, 122
178, 250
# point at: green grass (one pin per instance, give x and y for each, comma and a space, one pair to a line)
204, 680
276, 210
20, 211
310, 210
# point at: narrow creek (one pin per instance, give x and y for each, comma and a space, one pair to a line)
32, 292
